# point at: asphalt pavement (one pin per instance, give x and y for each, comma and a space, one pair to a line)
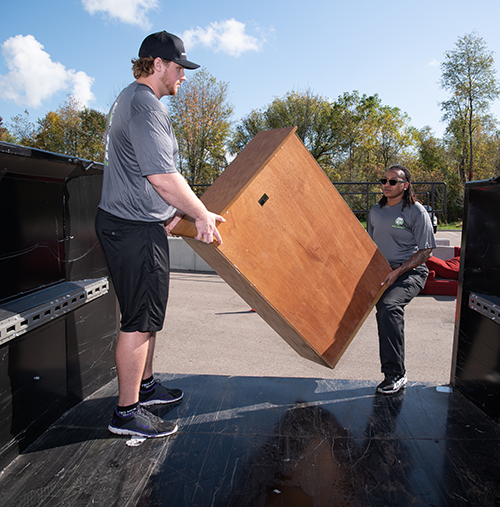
210, 330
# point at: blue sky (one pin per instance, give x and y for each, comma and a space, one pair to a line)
262, 49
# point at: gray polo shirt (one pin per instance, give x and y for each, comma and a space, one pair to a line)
400, 233
140, 141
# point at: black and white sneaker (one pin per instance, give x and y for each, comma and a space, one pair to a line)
392, 384
159, 395
141, 423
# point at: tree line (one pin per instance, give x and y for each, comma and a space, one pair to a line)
354, 138
71, 130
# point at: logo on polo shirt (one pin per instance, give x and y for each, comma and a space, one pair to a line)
399, 223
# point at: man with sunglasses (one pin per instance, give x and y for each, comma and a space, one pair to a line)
401, 228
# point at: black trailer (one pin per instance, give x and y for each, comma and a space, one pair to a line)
58, 311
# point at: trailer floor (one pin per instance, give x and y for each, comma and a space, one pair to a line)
260, 441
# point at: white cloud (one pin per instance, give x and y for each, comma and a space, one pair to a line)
433, 63
82, 84
133, 12
227, 36
33, 77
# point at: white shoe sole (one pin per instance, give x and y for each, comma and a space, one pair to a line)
397, 387
133, 433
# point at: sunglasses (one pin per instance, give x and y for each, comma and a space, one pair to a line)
391, 182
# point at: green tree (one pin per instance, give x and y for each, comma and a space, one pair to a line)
5, 135
311, 114
200, 114
71, 129
487, 151
22, 129
433, 163
57, 134
433, 156
394, 135
468, 73
370, 136
246, 130
92, 134
349, 117
353, 138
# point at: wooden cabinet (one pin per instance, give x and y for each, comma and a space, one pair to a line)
292, 249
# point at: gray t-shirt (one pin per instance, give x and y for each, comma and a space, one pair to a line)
140, 141
400, 233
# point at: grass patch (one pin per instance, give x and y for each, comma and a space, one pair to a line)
452, 226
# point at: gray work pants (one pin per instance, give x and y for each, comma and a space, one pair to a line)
390, 319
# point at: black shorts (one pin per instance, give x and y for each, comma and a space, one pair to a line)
138, 260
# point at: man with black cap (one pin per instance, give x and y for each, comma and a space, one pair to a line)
143, 196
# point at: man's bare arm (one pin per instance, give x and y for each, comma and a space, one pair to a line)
174, 189
415, 260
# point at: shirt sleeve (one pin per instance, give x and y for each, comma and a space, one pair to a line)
422, 228
154, 142
369, 226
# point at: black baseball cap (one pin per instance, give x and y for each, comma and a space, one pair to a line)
167, 46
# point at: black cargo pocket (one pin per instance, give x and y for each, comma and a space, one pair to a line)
112, 233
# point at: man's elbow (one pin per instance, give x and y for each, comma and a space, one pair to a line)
427, 254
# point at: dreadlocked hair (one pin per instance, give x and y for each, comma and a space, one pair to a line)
409, 197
